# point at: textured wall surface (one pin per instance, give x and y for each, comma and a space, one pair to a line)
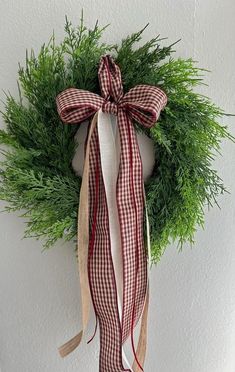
193, 293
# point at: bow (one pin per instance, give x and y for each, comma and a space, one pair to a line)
119, 293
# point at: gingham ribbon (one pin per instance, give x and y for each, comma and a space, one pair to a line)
142, 104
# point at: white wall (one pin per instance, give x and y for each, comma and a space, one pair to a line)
193, 293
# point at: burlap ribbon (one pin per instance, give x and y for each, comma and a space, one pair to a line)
98, 278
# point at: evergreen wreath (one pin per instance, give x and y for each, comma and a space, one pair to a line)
36, 172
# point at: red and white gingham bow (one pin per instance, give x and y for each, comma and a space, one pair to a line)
142, 104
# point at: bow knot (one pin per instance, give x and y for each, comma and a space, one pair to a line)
143, 103
110, 107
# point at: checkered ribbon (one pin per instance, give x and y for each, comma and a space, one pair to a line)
142, 104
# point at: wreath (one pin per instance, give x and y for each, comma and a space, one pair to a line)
36, 172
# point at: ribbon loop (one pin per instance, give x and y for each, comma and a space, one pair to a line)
144, 104
110, 79
77, 105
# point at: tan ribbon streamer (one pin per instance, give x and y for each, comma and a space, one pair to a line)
142, 344
83, 244
143, 337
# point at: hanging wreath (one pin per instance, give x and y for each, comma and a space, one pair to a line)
38, 175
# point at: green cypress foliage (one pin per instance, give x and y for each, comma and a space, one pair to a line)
36, 173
